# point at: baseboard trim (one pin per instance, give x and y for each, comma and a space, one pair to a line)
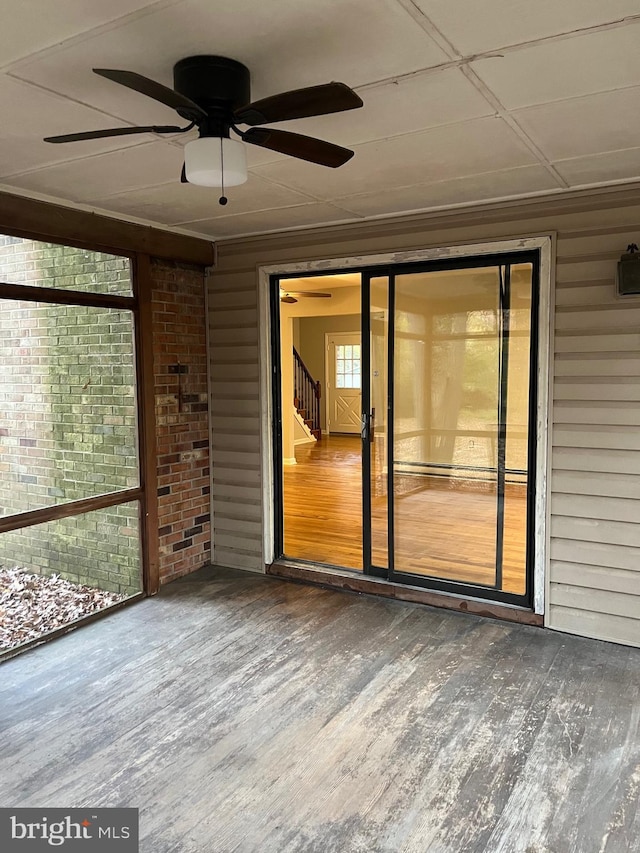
349, 582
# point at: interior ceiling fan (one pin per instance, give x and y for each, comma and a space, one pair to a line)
291, 296
213, 94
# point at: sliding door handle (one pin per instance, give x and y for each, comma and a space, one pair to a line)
367, 425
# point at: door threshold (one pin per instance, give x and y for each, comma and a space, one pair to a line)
351, 581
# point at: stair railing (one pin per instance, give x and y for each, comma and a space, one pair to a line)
306, 394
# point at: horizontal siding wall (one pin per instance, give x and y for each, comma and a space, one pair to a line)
595, 501
236, 486
594, 571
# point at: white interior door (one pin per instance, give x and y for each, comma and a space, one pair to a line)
344, 380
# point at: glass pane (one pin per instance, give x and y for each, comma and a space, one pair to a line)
323, 489
446, 379
465, 425
348, 365
379, 301
37, 264
57, 572
517, 428
67, 404
348, 352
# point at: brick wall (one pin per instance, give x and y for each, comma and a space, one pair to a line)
179, 338
68, 424
68, 415
67, 404
32, 262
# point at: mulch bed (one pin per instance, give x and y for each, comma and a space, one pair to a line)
33, 605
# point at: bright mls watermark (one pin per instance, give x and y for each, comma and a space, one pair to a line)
79, 830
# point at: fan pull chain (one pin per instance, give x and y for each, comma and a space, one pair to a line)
223, 199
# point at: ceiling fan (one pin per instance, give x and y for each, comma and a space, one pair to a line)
212, 93
289, 296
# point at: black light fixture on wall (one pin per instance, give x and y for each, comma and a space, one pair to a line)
628, 277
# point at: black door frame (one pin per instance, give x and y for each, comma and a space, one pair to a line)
499, 259
503, 261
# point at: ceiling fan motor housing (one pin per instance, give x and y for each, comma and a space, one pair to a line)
217, 84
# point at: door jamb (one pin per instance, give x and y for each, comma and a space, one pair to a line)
546, 244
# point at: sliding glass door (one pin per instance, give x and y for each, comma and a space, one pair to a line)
447, 425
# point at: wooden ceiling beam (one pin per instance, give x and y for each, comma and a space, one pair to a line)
41, 220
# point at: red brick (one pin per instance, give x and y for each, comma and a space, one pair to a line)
179, 334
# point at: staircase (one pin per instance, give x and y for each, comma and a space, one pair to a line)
306, 396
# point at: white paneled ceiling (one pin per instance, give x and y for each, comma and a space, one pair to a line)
465, 102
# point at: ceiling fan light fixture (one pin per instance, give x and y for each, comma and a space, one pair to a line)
212, 161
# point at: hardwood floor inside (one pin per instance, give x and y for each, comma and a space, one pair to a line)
323, 502
242, 714
444, 527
